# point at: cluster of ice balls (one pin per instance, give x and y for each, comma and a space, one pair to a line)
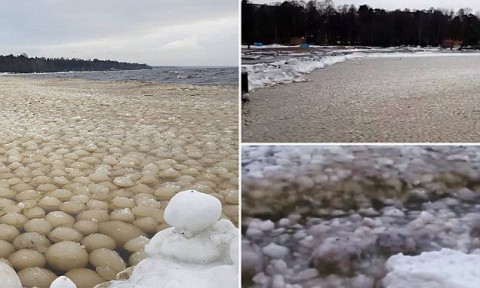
169, 258
352, 177
308, 244
86, 173
351, 250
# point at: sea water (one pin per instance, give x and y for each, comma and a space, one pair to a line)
159, 74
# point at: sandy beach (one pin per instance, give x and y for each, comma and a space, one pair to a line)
417, 99
96, 163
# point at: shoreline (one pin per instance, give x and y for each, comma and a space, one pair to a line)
294, 65
394, 100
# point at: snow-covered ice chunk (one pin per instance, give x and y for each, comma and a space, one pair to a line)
393, 212
9, 277
265, 226
192, 211
438, 269
275, 251
63, 282
199, 251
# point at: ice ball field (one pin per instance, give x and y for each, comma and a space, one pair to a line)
87, 169
360, 216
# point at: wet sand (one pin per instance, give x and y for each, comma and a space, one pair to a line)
419, 99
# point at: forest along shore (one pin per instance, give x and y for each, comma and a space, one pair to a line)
104, 158
392, 99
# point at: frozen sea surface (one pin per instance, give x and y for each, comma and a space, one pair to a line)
180, 75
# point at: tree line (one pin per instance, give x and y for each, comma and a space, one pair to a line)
24, 64
323, 24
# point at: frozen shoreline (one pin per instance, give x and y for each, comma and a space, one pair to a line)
271, 66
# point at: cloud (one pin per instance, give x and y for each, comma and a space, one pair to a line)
186, 44
182, 32
199, 43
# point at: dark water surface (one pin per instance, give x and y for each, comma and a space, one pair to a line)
181, 75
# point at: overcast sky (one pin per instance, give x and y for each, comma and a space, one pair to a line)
156, 32
401, 4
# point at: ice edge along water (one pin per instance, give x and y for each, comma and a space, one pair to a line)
294, 69
199, 250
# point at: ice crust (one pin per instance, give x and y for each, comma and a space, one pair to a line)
438, 269
289, 67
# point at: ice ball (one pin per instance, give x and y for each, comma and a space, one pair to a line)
9, 277
63, 282
192, 211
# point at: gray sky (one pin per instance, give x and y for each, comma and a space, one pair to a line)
156, 32
401, 4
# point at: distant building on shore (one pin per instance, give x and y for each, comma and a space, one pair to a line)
450, 43
298, 40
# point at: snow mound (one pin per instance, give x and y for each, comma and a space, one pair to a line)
439, 269
198, 251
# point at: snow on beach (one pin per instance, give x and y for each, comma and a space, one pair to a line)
335, 216
273, 65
